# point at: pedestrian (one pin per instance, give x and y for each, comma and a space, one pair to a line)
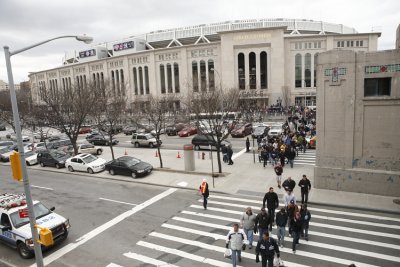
296, 226
291, 210
278, 171
281, 221
305, 219
235, 237
230, 153
291, 154
267, 247
224, 151
247, 145
205, 192
305, 186
262, 222
272, 203
289, 184
288, 197
247, 222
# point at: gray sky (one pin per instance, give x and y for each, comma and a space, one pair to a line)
25, 22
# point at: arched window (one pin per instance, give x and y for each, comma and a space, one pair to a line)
203, 75
195, 77
253, 70
146, 79
263, 70
162, 79
307, 70
241, 71
176, 78
298, 71
169, 78
315, 69
211, 77
141, 80
135, 81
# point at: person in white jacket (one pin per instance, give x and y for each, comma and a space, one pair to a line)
236, 237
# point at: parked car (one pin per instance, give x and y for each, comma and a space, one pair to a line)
30, 158
13, 137
241, 130
59, 144
187, 131
6, 152
127, 165
174, 129
153, 132
95, 133
85, 130
200, 140
102, 140
89, 149
260, 131
39, 146
275, 130
129, 130
85, 163
6, 143
54, 158
145, 139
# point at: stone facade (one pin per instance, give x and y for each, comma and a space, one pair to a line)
358, 122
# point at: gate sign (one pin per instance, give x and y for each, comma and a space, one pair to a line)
23, 213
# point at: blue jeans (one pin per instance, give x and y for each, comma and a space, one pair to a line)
249, 234
281, 235
291, 163
261, 232
234, 252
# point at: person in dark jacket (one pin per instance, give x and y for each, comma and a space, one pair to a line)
267, 247
296, 226
291, 154
247, 145
205, 192
272, 203
281, 221
305, 219
278, 171
230, 154
224, 151
289, 184
262, 222
305, 186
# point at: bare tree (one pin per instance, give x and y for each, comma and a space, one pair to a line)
6, 113
108, 110
213, 112
68, 109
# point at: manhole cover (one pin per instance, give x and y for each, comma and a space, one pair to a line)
396, 201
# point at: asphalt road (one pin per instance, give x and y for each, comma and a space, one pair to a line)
117, 223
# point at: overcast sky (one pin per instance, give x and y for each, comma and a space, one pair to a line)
25, 22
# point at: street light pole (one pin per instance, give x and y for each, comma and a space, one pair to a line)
17, 124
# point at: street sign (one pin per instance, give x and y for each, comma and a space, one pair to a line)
23, 213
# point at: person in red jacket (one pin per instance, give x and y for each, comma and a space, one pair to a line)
278, 171
205, 192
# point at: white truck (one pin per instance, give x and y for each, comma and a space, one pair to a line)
15, 229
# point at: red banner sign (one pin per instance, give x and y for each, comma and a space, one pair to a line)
23, 213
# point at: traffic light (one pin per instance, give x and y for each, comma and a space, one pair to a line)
16, 168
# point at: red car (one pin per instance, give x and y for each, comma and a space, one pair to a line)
85, 130
187, 131
242, 130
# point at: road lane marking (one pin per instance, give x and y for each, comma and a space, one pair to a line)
41, 187
220, 249
340, 237
83, 239
148, 260
117, 201
184, 254
238, 154
183, 184
114, 265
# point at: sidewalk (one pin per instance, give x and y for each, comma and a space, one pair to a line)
244, 177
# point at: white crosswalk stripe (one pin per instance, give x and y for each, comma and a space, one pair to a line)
307, 158
196, 237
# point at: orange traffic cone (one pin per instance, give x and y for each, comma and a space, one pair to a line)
156, 154
179, 156
126, 153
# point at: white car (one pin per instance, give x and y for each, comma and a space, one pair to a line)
89, 149
30, 158
275, 130
25, 138
85, 163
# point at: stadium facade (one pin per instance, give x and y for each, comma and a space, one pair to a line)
269, 60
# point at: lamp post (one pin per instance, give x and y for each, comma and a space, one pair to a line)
29, 202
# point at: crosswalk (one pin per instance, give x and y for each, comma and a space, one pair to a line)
307, 158
196, 237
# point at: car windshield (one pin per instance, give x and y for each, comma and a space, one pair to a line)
29, 153
148, 136
276, 127
39, 209
58, 154
132, 162
89, 158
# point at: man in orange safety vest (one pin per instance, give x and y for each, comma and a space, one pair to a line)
204, 191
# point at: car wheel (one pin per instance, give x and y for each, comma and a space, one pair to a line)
58, 166
151, 145
196, 147
42, 164
136, 144
70, 168
99, 151
111, 171
90, 170
27, 163
24, 251
134, 175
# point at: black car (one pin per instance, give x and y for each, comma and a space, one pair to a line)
101, 140
128, 166
129, 130
260, 131
56, 144
205, 141
54, 158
